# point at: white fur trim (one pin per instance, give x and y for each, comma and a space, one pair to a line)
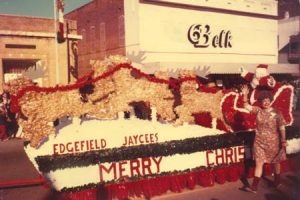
254, 82
293, 146
261, 72
252, 95
235, 101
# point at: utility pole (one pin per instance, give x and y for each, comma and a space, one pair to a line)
68, 52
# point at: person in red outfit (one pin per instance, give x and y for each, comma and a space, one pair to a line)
270, 137
3, 134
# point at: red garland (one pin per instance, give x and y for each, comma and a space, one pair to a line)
15, 107
237, 120
176, 183
90, 194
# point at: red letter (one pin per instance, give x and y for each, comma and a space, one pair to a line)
135, 168
54, 149
147, 139
228, 154
112, 167
207, 159
82, 145
122, 169
96, 144
91, 144
61, 148
151, 138
103, 143
87, 145
141, 141
70, 150
76, 146
146, 164
130, 141
157, 163
235, 154
135, 137
219, 156
241, 153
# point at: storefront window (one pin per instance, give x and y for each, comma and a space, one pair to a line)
121, 31
102, 36
92, 38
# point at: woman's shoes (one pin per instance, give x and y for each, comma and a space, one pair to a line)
251, 189
277, 180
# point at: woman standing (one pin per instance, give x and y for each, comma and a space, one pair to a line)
3, 133
270, 138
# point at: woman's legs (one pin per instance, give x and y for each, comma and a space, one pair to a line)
277, 168
258, 168
3, 134
257, 174
276, 174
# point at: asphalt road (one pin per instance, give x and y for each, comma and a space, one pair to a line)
14, 165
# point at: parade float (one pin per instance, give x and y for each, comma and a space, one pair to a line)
106, 147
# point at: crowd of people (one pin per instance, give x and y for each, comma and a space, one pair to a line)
8, 124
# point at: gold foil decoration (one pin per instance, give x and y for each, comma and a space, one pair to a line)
110, 96
194, 101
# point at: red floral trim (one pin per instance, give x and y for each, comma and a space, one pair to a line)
176, 183
235, 118
203, 119
90, 194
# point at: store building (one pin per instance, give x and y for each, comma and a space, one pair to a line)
203, 35
29, 46
289, 32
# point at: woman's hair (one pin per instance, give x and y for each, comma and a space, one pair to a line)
265, 95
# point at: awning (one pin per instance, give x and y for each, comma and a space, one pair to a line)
203, 69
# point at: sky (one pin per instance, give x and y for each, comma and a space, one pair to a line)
40, 8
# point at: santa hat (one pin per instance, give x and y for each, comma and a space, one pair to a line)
261, 71
263, 66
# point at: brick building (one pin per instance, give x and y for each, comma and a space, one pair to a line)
29, 44
101, 24
171, 34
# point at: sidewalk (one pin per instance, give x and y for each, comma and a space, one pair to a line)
14, 165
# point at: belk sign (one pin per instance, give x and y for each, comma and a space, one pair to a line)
201, 36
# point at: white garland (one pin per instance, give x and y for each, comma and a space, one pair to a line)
293, 146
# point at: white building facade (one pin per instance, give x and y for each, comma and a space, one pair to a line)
220, 35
